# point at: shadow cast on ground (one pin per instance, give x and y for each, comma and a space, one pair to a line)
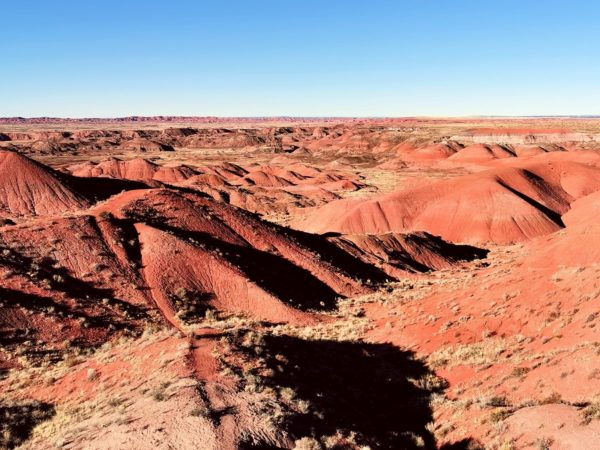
377, 393
18, 420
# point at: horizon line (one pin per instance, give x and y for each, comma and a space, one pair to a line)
259, 117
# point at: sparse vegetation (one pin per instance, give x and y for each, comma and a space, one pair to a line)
591, 412
17, 421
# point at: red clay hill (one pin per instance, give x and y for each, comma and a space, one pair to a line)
30, 188
166, 251
501, 205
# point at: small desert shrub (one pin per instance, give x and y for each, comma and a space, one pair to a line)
190, 305
555, 397
591, 412
497, 401
431, 382
115, 402
18, 420
58, 278
307, 443
92, 375
200, 412
544, 443
159, 396
498, 415
520, 371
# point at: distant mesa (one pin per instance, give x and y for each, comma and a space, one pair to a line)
524, 136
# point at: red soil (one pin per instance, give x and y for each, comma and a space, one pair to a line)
29, 188
482, 152
258, 188
137, 169
416, 252
500, 205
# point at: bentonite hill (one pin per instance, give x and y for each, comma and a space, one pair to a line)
299, 283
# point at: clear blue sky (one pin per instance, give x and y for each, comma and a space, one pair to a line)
110, 58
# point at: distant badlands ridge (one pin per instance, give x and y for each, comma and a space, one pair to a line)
411, 141
165, 119
211, 119
466, 130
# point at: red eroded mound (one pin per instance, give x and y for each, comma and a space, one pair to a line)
578, 245
432, 151
149, 252
304, 170
69, 279
226, 170
29, 188
482, 152
414, 252
584, 211
146, 145
226, 257
500, 205
260, 178
207, 179
180, 270
265, 189
138, 169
